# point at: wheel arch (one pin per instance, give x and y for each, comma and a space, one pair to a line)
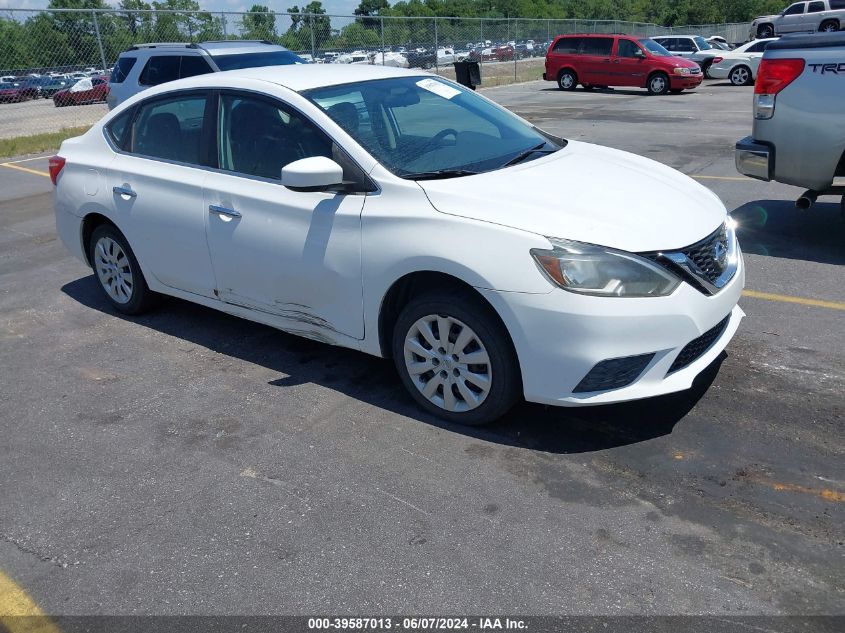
89, 224
415, 283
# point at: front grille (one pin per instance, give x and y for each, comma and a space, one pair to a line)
695, 349
703, 264
710, 255
613, 373
695, 71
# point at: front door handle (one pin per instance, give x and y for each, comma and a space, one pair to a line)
213, 208
124, 191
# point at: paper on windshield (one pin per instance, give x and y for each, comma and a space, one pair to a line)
438, 88
82, 85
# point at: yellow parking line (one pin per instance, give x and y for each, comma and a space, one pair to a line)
26, 160
19, 613
817, 303
737, 178
26, 169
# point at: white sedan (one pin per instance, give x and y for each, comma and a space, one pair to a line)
740, 65
400, 214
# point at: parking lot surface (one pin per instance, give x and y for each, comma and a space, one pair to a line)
39, 116
191, 462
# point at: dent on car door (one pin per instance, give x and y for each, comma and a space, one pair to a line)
295, 255
156, 187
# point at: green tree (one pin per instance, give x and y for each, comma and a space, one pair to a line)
259, 24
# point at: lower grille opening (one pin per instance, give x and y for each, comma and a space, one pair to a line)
613, 373
695, 349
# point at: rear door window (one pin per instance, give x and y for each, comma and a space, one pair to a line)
193, 65
815, 7
170, 129
121, 69
160, 69
597, 46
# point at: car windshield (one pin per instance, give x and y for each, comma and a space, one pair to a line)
428, 128
253, 60
703, 45
654, 48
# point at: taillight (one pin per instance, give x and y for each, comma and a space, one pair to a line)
776, 74
717, 60
55, 164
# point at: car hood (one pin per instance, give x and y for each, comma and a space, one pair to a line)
587, 193
765, 18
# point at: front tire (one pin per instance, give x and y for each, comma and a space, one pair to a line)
740, 76
118, 272
658, 84
567, 80
455, 358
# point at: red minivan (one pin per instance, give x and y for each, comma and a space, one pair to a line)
599, 61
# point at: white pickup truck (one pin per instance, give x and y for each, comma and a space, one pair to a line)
801, 17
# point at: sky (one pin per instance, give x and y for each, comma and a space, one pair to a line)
338, 7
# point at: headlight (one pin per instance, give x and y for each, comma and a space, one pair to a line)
682, 71
603, 272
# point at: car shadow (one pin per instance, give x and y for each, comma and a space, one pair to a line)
776, 228
636, 92
374, 380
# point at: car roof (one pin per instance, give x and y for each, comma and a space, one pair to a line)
301, 77
212, 47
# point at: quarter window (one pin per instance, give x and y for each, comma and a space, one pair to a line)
117, 129
170, 129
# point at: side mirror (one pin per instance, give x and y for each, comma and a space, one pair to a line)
639, 53
317, 173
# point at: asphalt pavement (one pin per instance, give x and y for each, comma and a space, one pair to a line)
188, 462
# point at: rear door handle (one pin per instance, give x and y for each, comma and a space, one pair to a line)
213, 208
124, 191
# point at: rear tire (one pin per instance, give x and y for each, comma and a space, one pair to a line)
829, 26
468, 372
765, 31
118, 273
705, 68
567, 80
740, 76
658, 84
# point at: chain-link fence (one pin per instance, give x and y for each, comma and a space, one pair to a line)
45, 53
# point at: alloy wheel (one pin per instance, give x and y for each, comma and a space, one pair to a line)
113, 270
740, 76
448, 363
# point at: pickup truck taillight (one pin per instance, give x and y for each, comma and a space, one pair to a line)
772, 77
55, 164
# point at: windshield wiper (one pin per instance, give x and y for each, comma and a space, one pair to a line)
439, 174
531, 150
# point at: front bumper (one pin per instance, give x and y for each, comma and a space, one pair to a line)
754, 159
685, 82
561, 336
